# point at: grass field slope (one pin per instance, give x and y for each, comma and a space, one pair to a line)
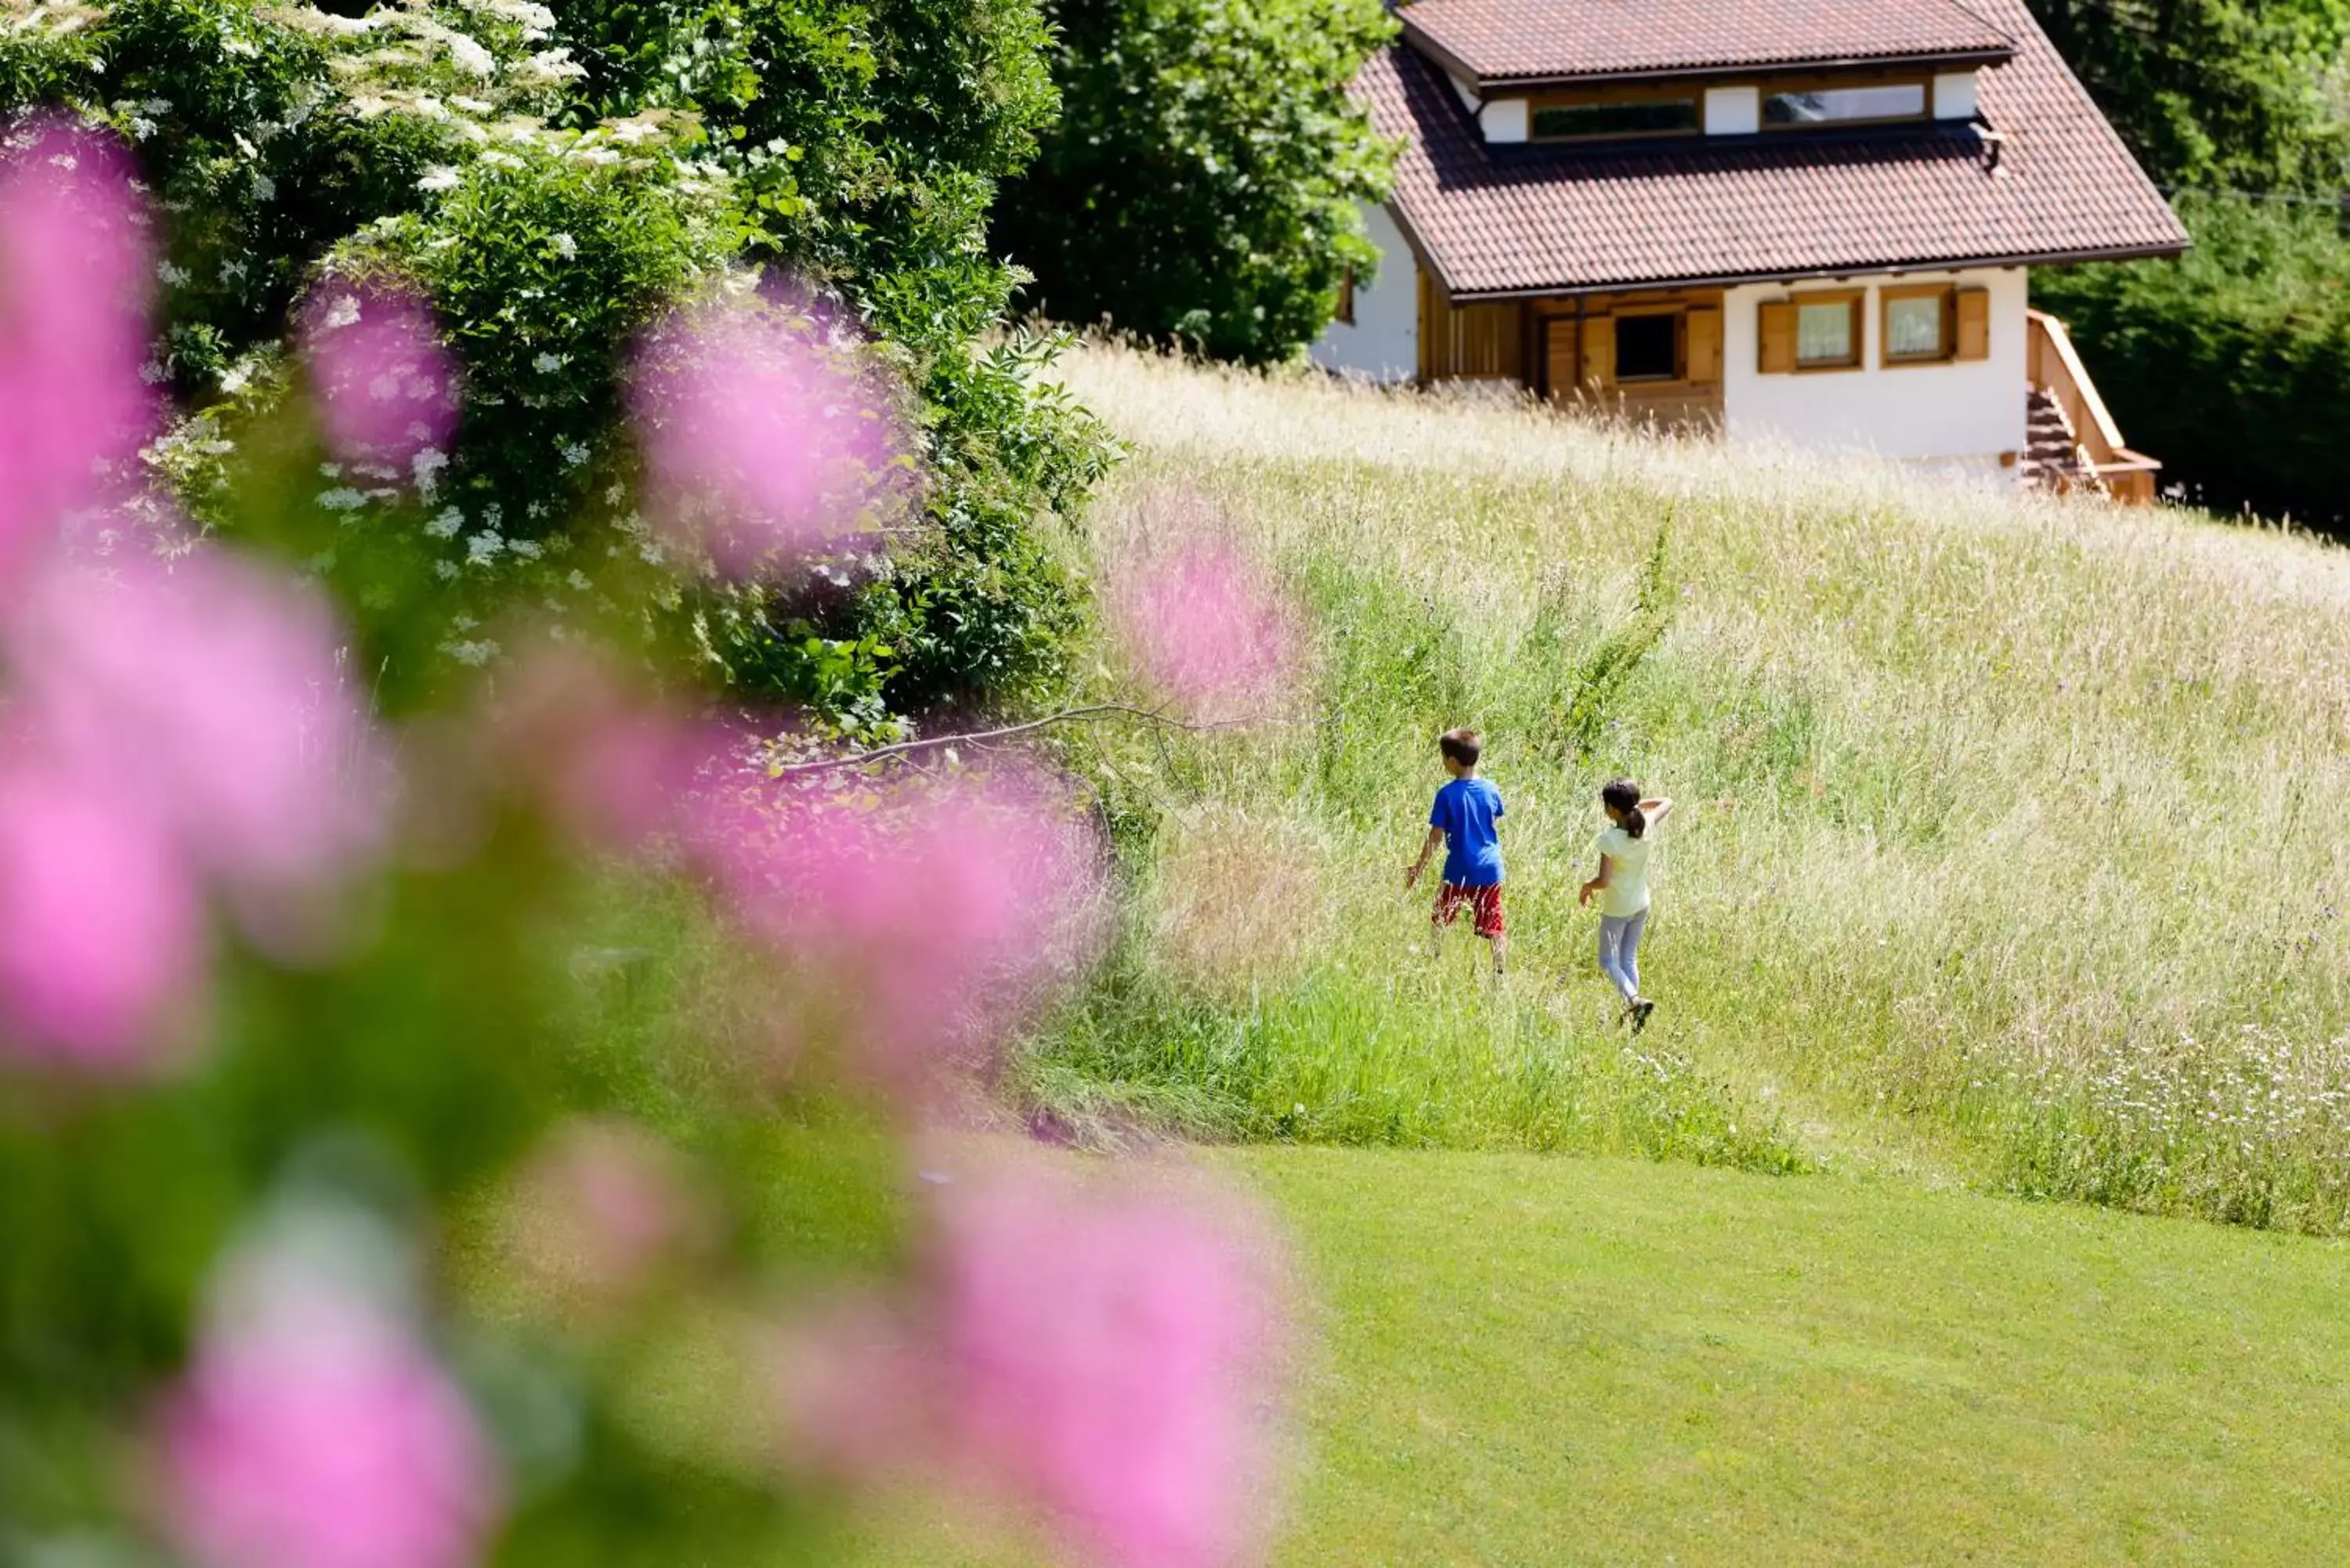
2013, 840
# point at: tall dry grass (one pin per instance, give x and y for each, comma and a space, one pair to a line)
2013, 836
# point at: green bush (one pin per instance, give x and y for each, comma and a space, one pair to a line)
2232, 363
1205, 181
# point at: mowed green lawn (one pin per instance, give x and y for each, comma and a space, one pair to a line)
1535, 1360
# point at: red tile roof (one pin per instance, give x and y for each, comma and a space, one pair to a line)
1520, 40
1523, 219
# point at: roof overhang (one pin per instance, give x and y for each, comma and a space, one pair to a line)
1781, 274
1453, 66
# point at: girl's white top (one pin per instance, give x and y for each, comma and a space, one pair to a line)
1627, 893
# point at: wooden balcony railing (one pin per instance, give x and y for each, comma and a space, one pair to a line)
2055, 369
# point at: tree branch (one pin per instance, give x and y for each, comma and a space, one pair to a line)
980, 737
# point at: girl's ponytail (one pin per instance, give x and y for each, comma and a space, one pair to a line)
1623, 796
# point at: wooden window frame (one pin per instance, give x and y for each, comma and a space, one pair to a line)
1679, 378
1851, 299
1345, 313
1605, 97
1948, 292
1771, 87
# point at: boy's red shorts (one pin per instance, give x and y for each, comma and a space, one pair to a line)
1484, 903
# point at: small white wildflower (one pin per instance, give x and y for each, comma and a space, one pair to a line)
445, 570
232, 270
579, 579
469, 55
528, 549
425, 468
482, 548
238, 47
502, 159
650, 552
472, 105
344, 312
264, 188
158, 106
565, 246
141, 127
235, 378
474, 653
462, 622
446, 524
343, 500
330, 471
573, 452
441, 179
601, 157
152, 371
171, 275
615, 495
549, 364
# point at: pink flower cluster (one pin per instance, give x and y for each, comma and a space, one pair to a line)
167, 732
386, 389
1105, 1357
1200, 625
927, 919
765, 442
314, 1430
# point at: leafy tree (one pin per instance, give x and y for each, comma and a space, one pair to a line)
2217, 92
2232, 363
1205, 180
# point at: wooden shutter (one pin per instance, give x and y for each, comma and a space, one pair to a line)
1598, 353
1778, 337
1560, 363
1974, 324
1705, 345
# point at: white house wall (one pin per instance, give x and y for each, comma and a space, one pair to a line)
1970, 411
1384, 341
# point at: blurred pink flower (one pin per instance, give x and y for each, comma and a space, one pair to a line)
206, 698
387, 388
600, 1207
763, 441
73, 332
1201, 626
316, 1432
101, 931
1104, 1355
930, 916
595, 747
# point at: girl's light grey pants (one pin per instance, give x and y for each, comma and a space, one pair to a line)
1620, 950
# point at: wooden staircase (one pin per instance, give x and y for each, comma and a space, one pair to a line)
2070, 444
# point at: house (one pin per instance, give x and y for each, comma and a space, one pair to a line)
1814, 218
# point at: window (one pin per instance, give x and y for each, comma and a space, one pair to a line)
1647, 347
1827, 331
1645, 116
1918, 324
1836, 106
1345, 313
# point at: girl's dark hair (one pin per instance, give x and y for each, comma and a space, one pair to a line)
1625, 797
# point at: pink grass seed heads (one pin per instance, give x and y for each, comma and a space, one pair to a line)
1104, 1356
74, 279
765, 440
1203, 628
313, 1429
386, 389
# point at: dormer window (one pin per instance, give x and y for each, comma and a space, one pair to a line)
1586, 119
1797, 108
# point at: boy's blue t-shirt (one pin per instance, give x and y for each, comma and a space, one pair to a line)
1466, 809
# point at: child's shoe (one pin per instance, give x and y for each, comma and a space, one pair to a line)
1640, 1010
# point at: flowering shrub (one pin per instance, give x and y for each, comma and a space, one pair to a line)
352, 1221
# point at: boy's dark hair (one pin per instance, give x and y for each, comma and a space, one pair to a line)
1625, 797
1463, 746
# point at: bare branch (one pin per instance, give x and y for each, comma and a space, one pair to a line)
980, 737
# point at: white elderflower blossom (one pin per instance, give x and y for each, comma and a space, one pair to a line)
264, 188
573, 452
446, 524
151, 372
425, 468
445, 570
527, 549
232, 271
330, 471
565, 246
169, 274
469, 55
141, 127
472, 653
614, 494
579, 580
471, 105
549, 364
482, 548
343, 500
344, 312
235, 378
441, 178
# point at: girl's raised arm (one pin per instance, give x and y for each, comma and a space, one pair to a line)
1654, 810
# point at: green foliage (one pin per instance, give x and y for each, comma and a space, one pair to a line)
1602, 672
2217, 92
2232, 363
1205, 180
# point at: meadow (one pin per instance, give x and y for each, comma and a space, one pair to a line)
2009, 854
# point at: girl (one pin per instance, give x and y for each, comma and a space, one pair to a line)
1623, 886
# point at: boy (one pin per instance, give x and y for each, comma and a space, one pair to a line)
1463, 821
